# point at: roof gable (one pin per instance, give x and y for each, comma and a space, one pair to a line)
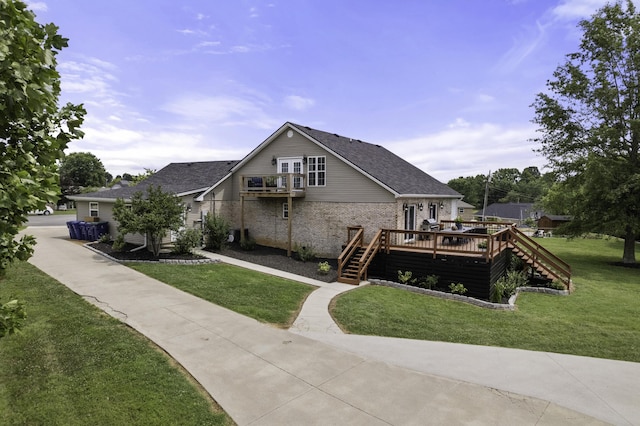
177, 178
375, 161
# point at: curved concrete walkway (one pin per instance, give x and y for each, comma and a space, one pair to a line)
314, 374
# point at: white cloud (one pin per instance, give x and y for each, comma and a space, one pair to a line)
577, 9
533, 38
483, 98
298, 103
460, 122
222, 110
465, 149
523, 47
37, 6
93, 79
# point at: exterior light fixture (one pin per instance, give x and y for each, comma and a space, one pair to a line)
274, 160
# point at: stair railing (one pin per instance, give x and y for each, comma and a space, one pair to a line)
369, 253
541, 257
354, 244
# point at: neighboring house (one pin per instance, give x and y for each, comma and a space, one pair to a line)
548, 222
189, 181
466, 211
301, 187
509, 212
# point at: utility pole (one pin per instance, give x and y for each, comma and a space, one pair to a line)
486, 195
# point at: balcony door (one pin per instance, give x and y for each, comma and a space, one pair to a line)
290, 165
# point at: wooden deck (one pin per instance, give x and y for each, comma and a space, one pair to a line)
482, 241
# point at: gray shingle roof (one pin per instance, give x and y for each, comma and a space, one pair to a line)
178, 178
515, 211
380, 163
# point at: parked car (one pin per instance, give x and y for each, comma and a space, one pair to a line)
46, 211
62, 207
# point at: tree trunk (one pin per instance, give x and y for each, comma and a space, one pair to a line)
629, 255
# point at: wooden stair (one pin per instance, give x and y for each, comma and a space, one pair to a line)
527, 259
542, 261
355, 258
351, 273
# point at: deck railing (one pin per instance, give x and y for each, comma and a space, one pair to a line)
440, 242
477, 242
491, 227
277, 183
369, 253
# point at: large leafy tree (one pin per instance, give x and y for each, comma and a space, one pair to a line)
81, 170
34, 131
152, 214
590, 127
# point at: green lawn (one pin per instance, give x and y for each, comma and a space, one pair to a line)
263, 297
65, 212
74, 365
599, 319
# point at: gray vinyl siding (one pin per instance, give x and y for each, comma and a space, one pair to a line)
343, 182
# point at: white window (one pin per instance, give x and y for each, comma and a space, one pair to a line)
285, 210
93, 209
317, 171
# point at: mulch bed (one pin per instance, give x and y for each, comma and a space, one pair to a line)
277, 259
139, 255
265, 256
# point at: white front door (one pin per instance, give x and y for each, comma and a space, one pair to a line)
290, 165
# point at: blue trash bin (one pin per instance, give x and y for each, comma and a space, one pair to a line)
72, 229
77, 229
82, 228
91, 231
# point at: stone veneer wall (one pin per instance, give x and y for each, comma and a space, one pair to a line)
322, 225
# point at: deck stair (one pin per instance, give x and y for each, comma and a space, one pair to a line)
356, 257
541, 260
351, 273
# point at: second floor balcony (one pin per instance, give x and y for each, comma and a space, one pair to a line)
274, 185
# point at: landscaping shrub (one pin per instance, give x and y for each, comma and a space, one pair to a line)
248, 244
119, 244
406, 277
324, 267
216, 231
506, 286
187, 240
457, 288
305, 253
430, 282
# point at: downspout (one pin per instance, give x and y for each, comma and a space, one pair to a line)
142, 246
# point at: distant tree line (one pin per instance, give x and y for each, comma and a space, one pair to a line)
507, 185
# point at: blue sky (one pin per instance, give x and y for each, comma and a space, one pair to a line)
447, 85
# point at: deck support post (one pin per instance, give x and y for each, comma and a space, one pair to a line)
290, 205
241, 219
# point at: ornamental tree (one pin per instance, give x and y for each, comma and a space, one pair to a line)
152, 214
589, 122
